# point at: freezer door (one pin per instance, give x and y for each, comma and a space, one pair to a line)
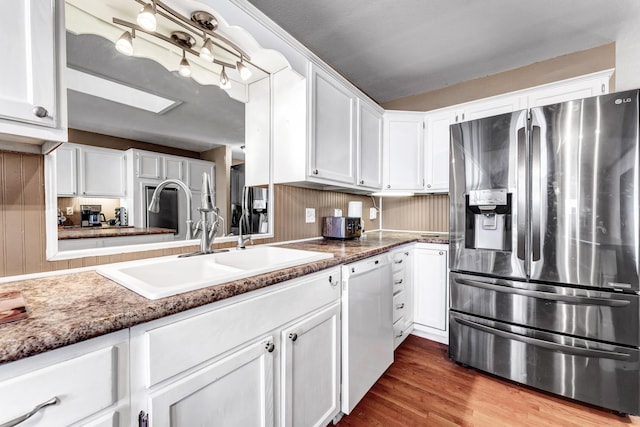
601, 374
591, 314
488, 187
584, 192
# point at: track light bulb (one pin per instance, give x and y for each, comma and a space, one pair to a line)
124, 44
184, 69
245, 72
224, 80
207, 50
147, 18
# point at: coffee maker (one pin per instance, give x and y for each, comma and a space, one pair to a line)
90, 215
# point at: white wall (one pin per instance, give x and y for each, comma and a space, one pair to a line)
628, 59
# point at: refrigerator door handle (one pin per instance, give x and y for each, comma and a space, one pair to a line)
535, 192
572, 299
522, 193
562, 348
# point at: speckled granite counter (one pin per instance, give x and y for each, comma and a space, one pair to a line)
95, 232
65, 309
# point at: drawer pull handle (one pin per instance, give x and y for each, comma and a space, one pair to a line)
398, 282
14, 422
270, 347
400, 306
293, 336
399, 261
400, 334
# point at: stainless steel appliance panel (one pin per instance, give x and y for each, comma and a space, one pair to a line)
488, 161
168, 216
585, 225
602, 374
591, 314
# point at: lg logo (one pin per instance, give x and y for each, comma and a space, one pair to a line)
619, 101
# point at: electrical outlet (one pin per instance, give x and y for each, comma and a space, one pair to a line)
69, 210
337, 212
373, 213
310, 215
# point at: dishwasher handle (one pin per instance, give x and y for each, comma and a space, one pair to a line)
364, 266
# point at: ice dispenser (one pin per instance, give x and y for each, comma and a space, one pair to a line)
488, 219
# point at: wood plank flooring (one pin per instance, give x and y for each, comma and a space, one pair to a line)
424, 388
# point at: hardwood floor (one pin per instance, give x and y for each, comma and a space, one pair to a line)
424, 388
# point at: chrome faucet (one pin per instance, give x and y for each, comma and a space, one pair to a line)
244, 216
154, 205
204, 228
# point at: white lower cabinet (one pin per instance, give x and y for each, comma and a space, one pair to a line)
267, 358
401, 269
82, 384
236, 390
310, 389
431, 289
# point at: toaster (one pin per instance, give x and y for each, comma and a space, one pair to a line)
341, 227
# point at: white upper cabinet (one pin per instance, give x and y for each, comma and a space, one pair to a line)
196, 169
403, 151
95, 165
67, 170
81, 171
580, 87
369, 167
320, 138
31, 104
333, 133
436, 170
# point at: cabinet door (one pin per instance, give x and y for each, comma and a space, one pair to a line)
311, 370
174, 168
490, 107
567, 91
102, 172
332, 152
234, 391
369, 147
67, 171
196, 169
148, 165
437, 150
29, 48
404, 148
430, 288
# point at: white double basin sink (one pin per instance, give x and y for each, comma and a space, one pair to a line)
167, 276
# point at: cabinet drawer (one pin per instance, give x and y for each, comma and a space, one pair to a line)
201, 337
399, 305
398, 261
83, 386
398, 281
399, 331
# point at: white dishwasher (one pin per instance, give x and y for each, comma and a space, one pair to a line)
367, 326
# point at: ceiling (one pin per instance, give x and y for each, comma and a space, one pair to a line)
395, 48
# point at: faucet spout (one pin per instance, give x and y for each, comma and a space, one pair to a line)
154, 205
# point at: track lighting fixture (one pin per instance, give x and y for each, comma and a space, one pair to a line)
199, 30
224, 80
245, 72
185, 68
147, 17
124, 44
206, 52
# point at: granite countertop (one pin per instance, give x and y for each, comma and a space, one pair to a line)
69, 308
95, 232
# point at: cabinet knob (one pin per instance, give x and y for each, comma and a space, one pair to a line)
293, 336
428, 185
362, 182
315, 171
440, 253
270, 347
389, 186
40, 112
406, 253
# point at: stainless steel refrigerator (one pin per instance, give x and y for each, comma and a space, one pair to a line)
545, 248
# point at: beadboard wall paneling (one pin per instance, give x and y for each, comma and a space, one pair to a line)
417, 213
